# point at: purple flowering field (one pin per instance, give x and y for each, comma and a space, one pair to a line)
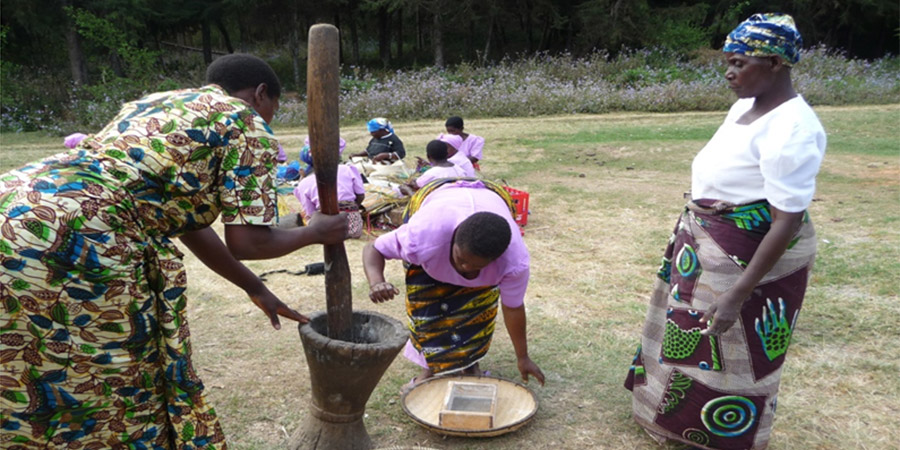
641, 80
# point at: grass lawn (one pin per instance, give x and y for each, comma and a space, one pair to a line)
605, 193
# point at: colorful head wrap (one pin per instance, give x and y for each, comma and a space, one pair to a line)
452, 139
769, 34
379, 123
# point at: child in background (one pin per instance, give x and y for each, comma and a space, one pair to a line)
440, 166
472, 145
454, 142
350, 194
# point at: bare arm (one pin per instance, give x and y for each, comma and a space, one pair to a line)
725, 311
263, 242
515, 325
207, 246
373, 263
389, 157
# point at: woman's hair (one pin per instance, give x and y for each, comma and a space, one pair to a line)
484, 234
436, 150
238, 71
455, 122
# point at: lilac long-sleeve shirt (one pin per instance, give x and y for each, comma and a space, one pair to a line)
426, 239
463, 162
438, 172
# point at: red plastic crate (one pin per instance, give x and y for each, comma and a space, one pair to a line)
520, 198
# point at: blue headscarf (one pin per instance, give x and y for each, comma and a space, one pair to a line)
769, 34
379, 123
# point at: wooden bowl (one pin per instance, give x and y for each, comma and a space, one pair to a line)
516, 405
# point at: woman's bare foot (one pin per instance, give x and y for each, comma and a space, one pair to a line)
422, 376
474, 369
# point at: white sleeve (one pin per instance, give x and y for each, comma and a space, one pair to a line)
790, 155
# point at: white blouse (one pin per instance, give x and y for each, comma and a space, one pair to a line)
775, 158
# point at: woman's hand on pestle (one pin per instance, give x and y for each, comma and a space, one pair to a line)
330, 229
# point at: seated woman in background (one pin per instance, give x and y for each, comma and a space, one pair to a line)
351, 192
384, 147
736, 268
472, 145
454, 142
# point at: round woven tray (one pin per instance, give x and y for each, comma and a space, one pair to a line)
516, 405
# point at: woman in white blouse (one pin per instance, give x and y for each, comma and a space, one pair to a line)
735, 272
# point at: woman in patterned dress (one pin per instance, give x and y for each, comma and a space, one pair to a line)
735, 272
96, 350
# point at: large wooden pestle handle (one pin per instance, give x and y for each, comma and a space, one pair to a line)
322, 88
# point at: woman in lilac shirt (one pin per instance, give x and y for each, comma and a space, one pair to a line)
351, 192
464, 253
472, 145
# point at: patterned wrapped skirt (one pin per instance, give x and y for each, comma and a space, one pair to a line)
717, 392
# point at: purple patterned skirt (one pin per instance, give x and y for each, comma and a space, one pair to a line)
717, 391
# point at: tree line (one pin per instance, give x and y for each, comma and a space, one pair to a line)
93, 40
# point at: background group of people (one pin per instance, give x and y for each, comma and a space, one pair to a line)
96, 346
451, 154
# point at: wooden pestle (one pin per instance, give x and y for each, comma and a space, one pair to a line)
322, 88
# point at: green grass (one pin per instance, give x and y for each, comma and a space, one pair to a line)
17, 149
595, 243
866, 131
